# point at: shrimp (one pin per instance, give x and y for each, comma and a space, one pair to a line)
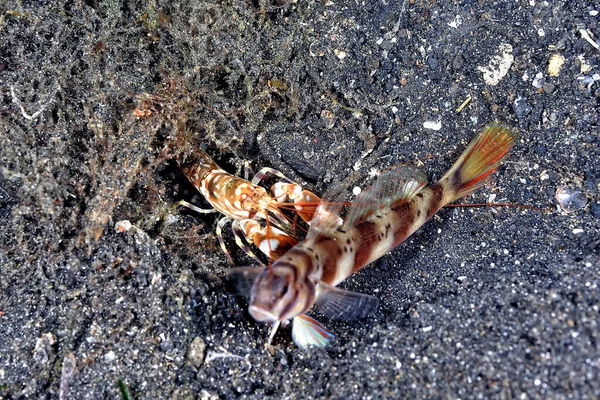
246, 205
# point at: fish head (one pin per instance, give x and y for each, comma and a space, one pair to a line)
278, 294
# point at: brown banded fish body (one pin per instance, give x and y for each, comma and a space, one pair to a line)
378, 220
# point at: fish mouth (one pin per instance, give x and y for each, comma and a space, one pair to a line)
262, 315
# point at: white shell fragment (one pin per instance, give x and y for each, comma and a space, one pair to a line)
555, 64
570, 199
433, 125
340, 54
498, 66
123, 226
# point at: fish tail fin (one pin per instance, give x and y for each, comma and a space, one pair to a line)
481, 158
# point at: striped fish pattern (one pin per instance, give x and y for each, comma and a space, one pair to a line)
338, 243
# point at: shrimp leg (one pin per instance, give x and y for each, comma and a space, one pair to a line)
195, 208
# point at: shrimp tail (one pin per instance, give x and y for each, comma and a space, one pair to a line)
481, 158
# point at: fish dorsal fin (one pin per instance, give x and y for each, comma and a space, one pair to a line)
342, 304
327, 218
393, 186
244, 277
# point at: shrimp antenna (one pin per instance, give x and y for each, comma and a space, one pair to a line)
270, 262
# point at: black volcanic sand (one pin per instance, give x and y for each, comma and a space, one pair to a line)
99, 99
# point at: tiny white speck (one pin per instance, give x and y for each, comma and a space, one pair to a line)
537, 382
505, 251
541, 32
593, 13
356, 190
577, 231
427, 328
119, 300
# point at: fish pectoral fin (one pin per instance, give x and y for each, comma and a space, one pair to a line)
307, 332
342, 304
244, 277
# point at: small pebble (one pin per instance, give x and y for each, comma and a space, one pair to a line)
110, 356
541, 149
548, 87
433, 62
196, 351
595, 209
570, 199
166, 345
521, 107
539, 80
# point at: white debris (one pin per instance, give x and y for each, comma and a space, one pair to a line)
539, 80
570, 199
356, 190
433, 125
499, 65
555, 64
123, 226
584, 66
585, 34
110, 356
456, 22
340, 54
577, 231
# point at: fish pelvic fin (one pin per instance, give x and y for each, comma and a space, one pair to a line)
481, 158
307, 332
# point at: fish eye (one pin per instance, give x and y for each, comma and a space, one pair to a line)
282, 287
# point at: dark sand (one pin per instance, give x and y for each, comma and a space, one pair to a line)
480, 303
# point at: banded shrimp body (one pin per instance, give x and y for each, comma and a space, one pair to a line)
256, 215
